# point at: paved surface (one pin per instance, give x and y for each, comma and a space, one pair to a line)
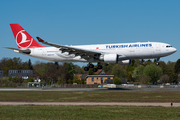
91, 104
89, 89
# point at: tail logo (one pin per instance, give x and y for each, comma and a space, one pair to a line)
23, 39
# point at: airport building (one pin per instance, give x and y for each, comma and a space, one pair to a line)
23, 73
100, 77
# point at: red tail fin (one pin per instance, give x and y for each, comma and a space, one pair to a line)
23, 39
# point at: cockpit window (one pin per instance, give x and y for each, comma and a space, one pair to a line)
168, 46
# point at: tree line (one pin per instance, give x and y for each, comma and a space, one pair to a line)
140, 71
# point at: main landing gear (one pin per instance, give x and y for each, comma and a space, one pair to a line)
90, 65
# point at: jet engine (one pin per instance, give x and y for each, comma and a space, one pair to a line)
114, 58
110, 58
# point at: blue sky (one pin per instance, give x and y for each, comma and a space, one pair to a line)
78, 22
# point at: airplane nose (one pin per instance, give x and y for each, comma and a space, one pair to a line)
174, 50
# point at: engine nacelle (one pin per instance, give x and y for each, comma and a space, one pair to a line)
124, 62
114, 58
110, 58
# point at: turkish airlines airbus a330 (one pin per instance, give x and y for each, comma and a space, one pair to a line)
120, 53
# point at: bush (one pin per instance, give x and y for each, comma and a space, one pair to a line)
117, 80
30, 79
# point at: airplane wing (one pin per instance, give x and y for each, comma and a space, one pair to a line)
25, 51
86, 54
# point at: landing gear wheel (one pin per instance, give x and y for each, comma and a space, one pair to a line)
91, 66
99, 67
86, 68
157, 63
94, 69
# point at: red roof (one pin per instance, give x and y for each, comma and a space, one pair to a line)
79, 75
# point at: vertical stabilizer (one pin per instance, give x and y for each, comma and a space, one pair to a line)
23, 39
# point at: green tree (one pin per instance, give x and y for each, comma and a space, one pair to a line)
2, 62
83, 81
57, 65
108, 67
118, 71
51, 72
90, 72
75, 79
30, 64
117, 80
15, 63
163, 66
17, 79
130, 68
137, 63
138, 72
164, 79
154, 72
40, 69
129, 77
148, 62
173, 78
71, 70
177, 66
142, 62
144, 79
78, 69
170, 70
30, 79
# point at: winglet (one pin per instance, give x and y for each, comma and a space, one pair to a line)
40, 40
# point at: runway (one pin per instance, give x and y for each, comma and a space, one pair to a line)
92, 104
89, 89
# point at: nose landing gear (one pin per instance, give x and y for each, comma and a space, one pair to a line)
157, 63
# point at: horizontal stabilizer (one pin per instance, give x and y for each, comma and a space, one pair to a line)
25, 51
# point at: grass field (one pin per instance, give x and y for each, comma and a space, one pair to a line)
90, 96
88, 112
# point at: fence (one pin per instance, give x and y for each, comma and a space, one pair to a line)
147, 86
25, 85
15, 85
76, 86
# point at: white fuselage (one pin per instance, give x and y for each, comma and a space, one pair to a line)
140, 50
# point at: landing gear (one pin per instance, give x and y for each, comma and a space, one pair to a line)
95, 69
86, 68
157, 61
90, 65
99, 66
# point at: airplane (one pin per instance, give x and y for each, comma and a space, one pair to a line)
120, 53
